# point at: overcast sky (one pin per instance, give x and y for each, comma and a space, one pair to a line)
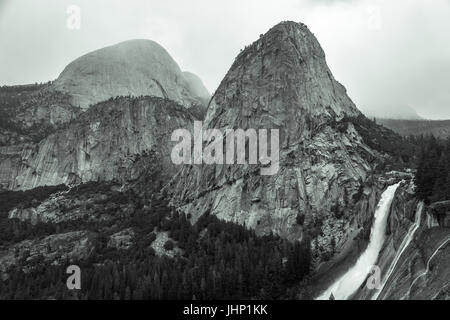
387, 53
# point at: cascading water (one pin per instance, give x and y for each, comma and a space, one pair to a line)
347, 285
408, 294
405, 244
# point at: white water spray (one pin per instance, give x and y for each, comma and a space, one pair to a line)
347, 285
405, 244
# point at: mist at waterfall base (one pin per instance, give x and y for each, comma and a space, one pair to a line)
347, 285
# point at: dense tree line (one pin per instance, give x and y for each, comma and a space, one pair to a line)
19, 102
217, 260
433, 170
12, 230
384, 140
27, 198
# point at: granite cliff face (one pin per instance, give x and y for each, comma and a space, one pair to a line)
325, 186
422, 272
325, 189
331, 168
415, 255
114, 140
130, 68
46, 139
29, 113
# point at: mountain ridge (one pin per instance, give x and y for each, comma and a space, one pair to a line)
326, 189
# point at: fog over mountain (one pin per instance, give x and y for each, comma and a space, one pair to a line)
398, 112
385, 52
134, 67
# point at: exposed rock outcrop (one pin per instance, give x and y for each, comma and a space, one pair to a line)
159, 245
29, 113
440, 212
130, 68
325, 186
114, 140
122, 240
92, 206
414, 258
54, 249
422, 272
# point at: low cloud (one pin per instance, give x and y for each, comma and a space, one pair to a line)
385, 52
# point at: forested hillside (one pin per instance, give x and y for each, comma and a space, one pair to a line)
29, 113
433, 172
204, 260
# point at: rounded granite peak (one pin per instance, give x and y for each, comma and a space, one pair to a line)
296, 33
282, 79
196, 85
130, 68
291, 24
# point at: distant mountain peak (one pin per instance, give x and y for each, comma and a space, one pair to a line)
396, 112
282, 81
284, 73
196, 85
130, 68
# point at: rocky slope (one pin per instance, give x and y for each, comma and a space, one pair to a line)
414, 257
29, 113
422, 273
130, 68
54, 249
114, 140
46, 139
325, 187
417, 269
401, 219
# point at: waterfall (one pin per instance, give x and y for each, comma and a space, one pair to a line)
347, 285
405, 244
424, 273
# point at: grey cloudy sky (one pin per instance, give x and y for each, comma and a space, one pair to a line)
389, 54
